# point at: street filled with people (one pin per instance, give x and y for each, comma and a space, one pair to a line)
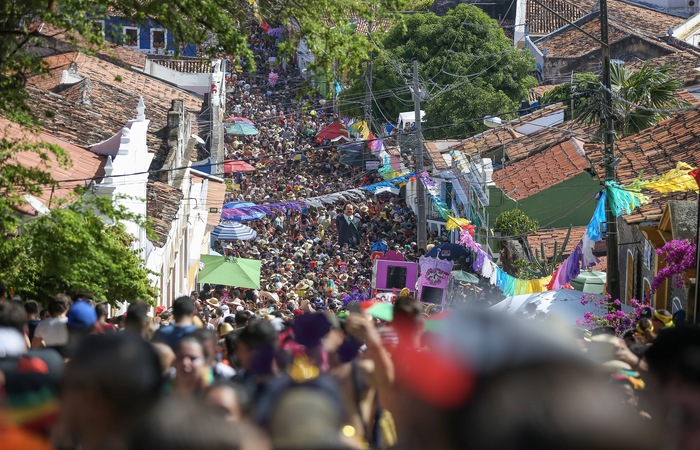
301, 364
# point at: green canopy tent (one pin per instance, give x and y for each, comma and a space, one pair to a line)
229, 271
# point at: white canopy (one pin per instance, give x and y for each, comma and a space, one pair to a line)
565, 304
409, 117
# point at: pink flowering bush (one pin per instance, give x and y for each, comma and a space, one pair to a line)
272, 78
679, 256
610, 314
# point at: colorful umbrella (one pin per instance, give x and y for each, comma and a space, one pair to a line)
239, 119
242, 128
238, 272
237, 211
299, 157
233, 231
232, 166
332, 131
591, 281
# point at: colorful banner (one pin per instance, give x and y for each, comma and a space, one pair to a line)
322, 200
675, 180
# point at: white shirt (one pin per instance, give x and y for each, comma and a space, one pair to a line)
53, 331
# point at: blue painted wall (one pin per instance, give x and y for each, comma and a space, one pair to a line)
114, 31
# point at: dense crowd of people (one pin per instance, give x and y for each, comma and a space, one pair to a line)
234, 371
306, 260
302, 364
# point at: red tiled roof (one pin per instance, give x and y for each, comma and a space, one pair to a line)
538, 114
83, 163
571, 43
123, 79
541, 21
684, 63
688, 97
538, 91
651, 153
162, 205
113, 96
116, 54
655, 150
641, 18
487, 140
549, 237
436, 153
625, 20
541, 171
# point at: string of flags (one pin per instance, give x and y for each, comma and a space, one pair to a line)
623, 200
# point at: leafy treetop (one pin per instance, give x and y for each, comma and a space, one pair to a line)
640, 98
465, 61
515, 223
82, 247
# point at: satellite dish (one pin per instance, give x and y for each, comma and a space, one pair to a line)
36, 204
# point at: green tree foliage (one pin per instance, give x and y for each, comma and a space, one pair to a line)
51, 249
83, 247
222, 24
464, 59
515, 223
655, 89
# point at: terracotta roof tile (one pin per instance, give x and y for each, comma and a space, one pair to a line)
541, 171
487, 141
651, 153
538, 91
684, 63
116, 54
538, 114
216, 193
113, 98
435, 150
162, 206
83, 163
655, 150
549, 237
625, 19
641, 18
571, 43
541, 21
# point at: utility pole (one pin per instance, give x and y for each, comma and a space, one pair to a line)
368, 83
613, 273
420, 189
368, 92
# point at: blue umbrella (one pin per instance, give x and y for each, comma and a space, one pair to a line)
232, 211
233, 231
237, 204
448, 251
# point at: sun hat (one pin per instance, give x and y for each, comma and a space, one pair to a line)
213, 302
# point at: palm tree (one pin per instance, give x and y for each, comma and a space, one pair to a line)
641, 99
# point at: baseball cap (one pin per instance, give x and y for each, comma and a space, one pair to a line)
81, 315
